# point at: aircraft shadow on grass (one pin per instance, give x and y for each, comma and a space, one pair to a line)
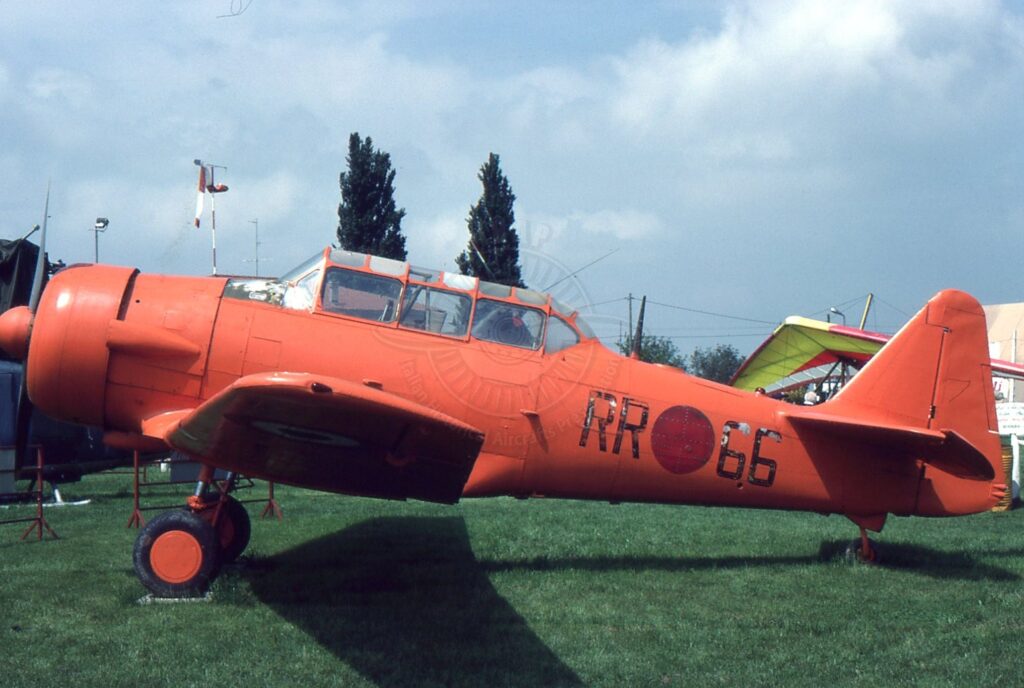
403, 601
912, 558
934, 563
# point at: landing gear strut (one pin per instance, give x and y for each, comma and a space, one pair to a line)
179, 553
230, 520
863, 549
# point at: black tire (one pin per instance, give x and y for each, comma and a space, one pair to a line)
854, 555
176, 555
233, 527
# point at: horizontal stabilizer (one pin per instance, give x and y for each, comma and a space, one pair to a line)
944, 449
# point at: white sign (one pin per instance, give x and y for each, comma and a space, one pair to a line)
1011, 418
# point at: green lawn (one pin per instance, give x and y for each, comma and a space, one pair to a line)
523, 593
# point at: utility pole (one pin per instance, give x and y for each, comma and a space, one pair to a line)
630, 299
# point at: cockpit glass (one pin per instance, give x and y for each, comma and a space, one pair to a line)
303, 267
435, 310
561, 308
584, 327
506, 323
302, 294
361, 295
560, 335
432, 301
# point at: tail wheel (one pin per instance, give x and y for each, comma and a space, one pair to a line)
176, 555
233, 527
855, 553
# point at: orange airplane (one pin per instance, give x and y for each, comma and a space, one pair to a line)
365, 376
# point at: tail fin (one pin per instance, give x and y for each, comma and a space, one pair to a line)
929, 387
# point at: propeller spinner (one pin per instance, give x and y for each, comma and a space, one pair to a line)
16, 323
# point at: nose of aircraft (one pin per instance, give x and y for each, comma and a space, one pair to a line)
14, 329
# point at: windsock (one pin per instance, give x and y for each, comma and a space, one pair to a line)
201, 194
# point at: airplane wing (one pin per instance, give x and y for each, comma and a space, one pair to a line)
802, 351
328, 434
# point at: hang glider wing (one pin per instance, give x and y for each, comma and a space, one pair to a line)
328, 434
802, 351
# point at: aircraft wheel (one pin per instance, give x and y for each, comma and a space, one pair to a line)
855, 554
233, 527
176, 555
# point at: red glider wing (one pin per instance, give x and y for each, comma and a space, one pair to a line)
330, 434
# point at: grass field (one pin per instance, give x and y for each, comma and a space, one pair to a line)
518, 593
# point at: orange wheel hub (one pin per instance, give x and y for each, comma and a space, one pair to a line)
176, 556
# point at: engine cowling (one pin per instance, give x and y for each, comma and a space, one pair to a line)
68, 354
111, 347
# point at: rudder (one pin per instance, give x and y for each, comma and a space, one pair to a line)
935, 374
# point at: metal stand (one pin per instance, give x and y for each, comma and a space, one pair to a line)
136, 520
272, 506
38, 521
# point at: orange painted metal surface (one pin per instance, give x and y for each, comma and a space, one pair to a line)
414, 387
14, 331
176, 556
69, 340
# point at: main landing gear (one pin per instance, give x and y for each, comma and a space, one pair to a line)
179, 553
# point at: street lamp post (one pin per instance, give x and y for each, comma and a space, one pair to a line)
256, 224
844, 367
99, 226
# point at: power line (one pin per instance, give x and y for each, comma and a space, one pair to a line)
718, 336
712, 313
615, 337
898, 310
603, 303
579, 270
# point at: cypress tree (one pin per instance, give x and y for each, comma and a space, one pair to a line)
368, 221
493, 250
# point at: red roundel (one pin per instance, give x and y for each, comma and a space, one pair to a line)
682, 439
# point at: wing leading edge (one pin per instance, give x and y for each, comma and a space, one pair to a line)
330, 434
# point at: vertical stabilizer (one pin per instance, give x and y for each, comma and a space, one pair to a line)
934, 374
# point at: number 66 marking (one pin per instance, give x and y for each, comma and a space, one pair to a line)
756, 460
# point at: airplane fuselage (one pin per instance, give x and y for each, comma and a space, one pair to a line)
575, 421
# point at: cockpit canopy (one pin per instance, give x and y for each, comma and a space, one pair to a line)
393, 293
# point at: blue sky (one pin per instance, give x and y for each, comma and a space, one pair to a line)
753, 159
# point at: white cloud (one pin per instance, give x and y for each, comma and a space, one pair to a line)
622, 224
541, 230
59, 85
788, 67
276, 196
799, 121
434, 242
